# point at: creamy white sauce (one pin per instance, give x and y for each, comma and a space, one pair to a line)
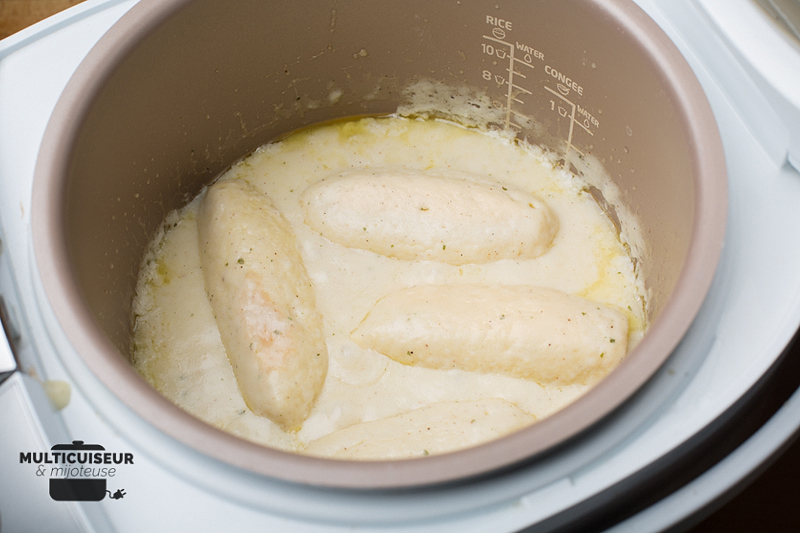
177, 346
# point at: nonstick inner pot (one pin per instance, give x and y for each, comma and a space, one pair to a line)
178, 90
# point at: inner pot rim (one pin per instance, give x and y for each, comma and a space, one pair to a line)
103, 359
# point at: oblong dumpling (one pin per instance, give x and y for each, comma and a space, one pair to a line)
418, 216
521, 331
425, 431
263, 302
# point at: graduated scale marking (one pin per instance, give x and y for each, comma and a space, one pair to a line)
520, 62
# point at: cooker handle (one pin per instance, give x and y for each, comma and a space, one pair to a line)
8, 360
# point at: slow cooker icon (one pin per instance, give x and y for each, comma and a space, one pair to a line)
78, 489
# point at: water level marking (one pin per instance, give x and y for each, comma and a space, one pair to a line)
567, 112
516, 55
514, 90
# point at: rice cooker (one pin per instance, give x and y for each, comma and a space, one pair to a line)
116, 112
